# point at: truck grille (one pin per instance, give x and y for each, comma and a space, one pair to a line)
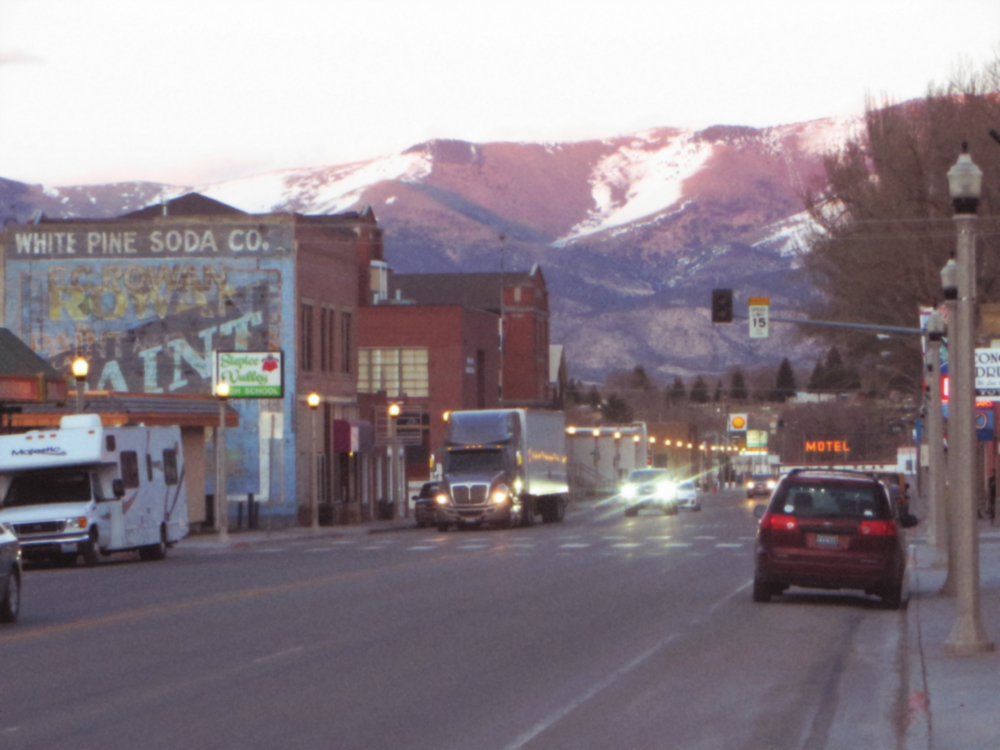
48, 527
466, 494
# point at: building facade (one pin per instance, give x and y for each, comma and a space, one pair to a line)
151, 297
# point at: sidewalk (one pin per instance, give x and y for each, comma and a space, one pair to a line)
953, 701
264, 535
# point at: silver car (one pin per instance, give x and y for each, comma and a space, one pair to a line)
649, 488
687, 495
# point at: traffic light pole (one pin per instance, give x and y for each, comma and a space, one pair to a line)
837, 324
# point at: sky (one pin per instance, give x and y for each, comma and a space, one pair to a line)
196, 92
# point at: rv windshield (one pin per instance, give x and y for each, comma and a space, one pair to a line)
42, 487
474, 461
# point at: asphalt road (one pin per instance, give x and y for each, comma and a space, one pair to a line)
600, 632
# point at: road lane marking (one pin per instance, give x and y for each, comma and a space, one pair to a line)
278, 654
574, 545
677, 544
574, 704
707, 538
627, 545
729, 545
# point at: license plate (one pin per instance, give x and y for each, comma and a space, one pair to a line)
827, 540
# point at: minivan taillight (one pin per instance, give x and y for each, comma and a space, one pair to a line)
779, 522
877, 528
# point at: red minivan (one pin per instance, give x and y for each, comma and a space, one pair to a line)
831, 529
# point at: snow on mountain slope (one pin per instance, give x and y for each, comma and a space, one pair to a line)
640, 180
318, 191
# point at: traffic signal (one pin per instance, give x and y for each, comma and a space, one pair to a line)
722, 305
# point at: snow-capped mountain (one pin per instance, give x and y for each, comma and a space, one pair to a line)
631, 232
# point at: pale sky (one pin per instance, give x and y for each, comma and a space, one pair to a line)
191, 92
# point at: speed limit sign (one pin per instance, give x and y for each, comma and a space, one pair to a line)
758, 316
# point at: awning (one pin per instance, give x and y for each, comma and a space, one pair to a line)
353, 436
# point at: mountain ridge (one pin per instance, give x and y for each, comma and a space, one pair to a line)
632, 232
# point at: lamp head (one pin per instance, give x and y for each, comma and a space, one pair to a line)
313, 400
394, 410
949, 279
965, 181
222, 389
935, 326
80, 368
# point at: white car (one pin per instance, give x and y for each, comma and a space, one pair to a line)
687, 495
649, 488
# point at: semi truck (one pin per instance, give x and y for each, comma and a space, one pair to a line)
503, 467
85, 489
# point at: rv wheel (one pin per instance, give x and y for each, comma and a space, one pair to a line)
10, 605
91, 553
155, 551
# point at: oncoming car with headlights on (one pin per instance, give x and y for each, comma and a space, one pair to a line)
649, 488
761, 484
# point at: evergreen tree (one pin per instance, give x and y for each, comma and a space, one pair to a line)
699, 391
818, 380
737, 386
676, 393
617, 410
784, 384
594, 397
717, 396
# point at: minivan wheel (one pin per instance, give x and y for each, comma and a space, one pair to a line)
762, 592
892, 597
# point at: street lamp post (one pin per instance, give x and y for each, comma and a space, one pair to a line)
80, 369
938, 518
313, 400
618, 455
967, 635
395, 465
596, 453
221, 514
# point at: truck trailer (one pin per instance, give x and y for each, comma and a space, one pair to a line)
86, 489
503, 467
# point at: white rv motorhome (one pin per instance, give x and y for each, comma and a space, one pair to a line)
86, 488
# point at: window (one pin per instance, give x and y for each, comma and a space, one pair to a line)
306, 331
395, 371
130, 468
345, 343
170, 466
109, 443
327, 338
149, 468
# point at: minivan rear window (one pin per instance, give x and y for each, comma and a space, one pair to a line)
831, 500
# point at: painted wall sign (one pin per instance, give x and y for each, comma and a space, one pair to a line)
149, 241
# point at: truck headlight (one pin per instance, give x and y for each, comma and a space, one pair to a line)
771, 484
518, 485
442, 498
500, 494
76, 524
629, 490
666, 489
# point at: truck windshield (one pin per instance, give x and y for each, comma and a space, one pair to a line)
476, 461
38, 487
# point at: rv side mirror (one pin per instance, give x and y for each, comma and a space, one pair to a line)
118, 487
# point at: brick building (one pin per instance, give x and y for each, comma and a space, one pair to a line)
521, 299
148, 298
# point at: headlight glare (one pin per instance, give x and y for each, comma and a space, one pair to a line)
629, 490
500, 494
442, 498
